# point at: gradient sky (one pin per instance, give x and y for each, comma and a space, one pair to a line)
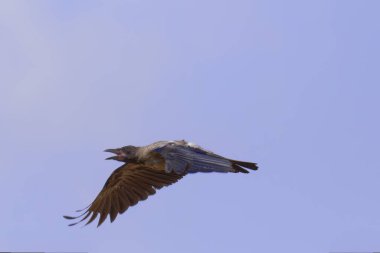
292, 85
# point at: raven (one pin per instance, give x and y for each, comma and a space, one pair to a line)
149, 168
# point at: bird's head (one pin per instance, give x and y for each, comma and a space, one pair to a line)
124, 154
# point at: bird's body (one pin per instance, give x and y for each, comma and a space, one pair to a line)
151, 167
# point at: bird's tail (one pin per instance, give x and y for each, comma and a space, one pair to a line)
238, 166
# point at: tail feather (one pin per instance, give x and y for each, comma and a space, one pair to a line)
237, 165
237, 168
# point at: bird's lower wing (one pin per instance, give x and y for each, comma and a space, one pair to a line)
126, 186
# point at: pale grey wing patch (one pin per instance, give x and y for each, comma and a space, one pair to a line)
181, 159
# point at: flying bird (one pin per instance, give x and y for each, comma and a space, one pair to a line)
149, 168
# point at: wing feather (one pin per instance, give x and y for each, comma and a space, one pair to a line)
126, 186
188, 159
104, 211
93, 217
114, 207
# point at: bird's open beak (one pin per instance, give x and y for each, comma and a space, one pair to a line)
113, 151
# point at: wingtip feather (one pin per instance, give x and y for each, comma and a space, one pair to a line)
68, 217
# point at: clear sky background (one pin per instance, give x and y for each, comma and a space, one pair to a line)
292, 85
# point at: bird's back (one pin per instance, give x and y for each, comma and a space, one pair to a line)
144, 151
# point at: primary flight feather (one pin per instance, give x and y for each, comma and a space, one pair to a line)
149, 168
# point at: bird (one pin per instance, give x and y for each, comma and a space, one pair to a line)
148, 168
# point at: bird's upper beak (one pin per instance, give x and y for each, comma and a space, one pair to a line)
119, 154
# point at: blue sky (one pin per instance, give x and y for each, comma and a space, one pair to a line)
291, 85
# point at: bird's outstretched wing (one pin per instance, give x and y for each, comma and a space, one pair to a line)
181, 158
127, 185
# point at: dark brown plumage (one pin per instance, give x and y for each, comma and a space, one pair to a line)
127, 185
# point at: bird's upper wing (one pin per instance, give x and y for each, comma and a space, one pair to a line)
190, 159
127, 185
